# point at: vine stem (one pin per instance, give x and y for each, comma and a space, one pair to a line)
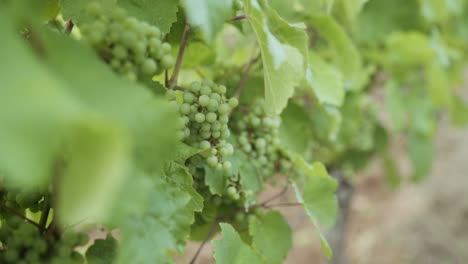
18, 214
45, 213
276, 196
68, 27
208, 236
237, 18
245, 74
180, 56
281, 205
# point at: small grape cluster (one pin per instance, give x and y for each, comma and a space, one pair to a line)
23, 243
204, 119
259, 137
133, 48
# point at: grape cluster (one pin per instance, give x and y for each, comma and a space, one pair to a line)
23, 243
259, 137
204, 119
132, 48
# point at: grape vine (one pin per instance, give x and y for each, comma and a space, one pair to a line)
171, 121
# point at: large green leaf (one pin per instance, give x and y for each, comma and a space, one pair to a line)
161, 13
35, 113
379, 18
132, 106
149, 236
208, 15
344, 53
271, 236
97, 162
284, 49
317, 197
421, 153
232, 250
76, 10
103, 251
296, 129
325, 80
215, 180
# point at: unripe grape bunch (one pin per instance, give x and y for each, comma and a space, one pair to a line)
24, 243
259, 137
132, 48
203, 124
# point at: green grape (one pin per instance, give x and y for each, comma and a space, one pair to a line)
211, 117
205, 131
223, 119
149, 66
224, 108
205, 90
205, 144
204, 100
119, 52
212, 105
259, 137
167, 61
200, 117
216, 96
185, 109
227, 165
231, 190
233, 102
166, 47
216, 134
188, 97
212, 161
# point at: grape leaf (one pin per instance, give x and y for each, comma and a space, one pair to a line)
232, 250
76, 10
145, 240
209, 15
271, 236
459, 112
183, 152
296, 129
162, 13
317, 197
162, 226
284, 49
35, 113
395, 106
97, 157
326, 82
134, 111
133, 106
178, 175
420, 148
215, 180
379, 18
346, 56
242, 165
439, 86
102, 251
408, 49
